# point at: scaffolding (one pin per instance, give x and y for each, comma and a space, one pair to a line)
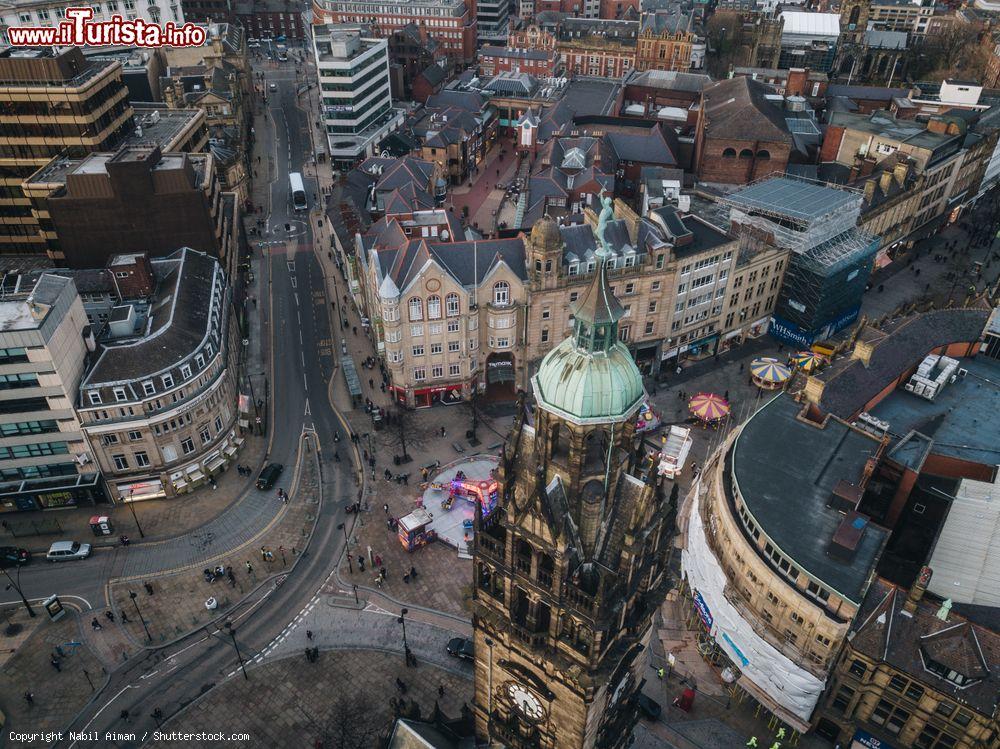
794, 213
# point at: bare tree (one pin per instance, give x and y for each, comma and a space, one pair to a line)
406, 430
353, 724
952, 51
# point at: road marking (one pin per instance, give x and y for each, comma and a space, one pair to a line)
295, 283
291, 265
19, 602
305, 385
308, 412
296, 295
104, 707
371, 608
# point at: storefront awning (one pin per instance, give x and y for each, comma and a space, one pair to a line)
139, 490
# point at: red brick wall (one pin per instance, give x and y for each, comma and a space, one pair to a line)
422, 89
713, 166
615, 8
831, 143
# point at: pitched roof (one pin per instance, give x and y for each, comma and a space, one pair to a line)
650, 147
736, 109
434, 74
468, 262
883, 632
847, 388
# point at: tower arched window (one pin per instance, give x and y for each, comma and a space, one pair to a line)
729, 153
452, 305
763, 154
746, 153
501, 294
416, 309
434, 307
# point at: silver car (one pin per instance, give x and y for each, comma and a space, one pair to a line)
62, 551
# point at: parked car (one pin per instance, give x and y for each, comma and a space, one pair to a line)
273, 87
649, 707
63, 551
269, 475
11, 556
460, 647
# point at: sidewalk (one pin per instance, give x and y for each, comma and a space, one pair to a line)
178, 602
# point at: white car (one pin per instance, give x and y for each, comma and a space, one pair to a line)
63, 551
273, 87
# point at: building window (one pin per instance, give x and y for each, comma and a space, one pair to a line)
546, 313
934, 738
418, 350
842, 700
648, 330
651, 308
435, 348
501, 294
141, 459
416, 330
573, 296
148, 388
437, 372
434, 308
200, 361
187, 445
206, 436
186, 371
120, 394
729, 153
120, 461
889, 716
452, 305
453, 326
454, 370
134, 436
545, 335
454, 346
419, 374
416, 309
168, 381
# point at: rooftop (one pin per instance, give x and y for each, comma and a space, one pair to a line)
849, 384
178, 321
796, 198
30, 312
164, 127
883, 632
785, 469
959, 421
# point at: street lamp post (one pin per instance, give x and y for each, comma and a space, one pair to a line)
406, 646
135, 517
133, 595
347, 546
232, 634
16, 585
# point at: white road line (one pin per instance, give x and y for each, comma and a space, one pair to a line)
305, 385
104, 707
295, 283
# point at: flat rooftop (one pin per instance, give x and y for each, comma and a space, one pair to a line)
786, 470
168, 125
16, 316
793, 197
961, 421
591, 96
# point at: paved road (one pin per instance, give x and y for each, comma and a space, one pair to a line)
170, 678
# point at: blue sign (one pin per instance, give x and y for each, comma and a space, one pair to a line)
865, 739
744, 661
703, 611
788, 332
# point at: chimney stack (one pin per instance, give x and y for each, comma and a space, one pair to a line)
917, 590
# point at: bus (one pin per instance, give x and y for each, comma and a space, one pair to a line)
299, 202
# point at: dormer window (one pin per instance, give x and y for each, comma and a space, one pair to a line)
95, 397
168, 381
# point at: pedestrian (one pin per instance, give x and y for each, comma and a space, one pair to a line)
726, 396
124, 715
440, 690
361, 562
406, 578
660, 673
413, 572
371, 383
388, 476
96, 624
110, 615
381, 573
56, 664
378, 582
125, 619
385, 507
378, 560
309, 635
741, 366
249, 568
284, 498
263, 553
29, 698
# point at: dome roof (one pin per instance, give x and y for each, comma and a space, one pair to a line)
585, 387
545, 233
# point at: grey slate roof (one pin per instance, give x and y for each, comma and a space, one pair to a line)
468, 262
179, 322
736, 109
847, 389
868, 93
650, 147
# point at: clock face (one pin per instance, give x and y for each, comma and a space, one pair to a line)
525, 702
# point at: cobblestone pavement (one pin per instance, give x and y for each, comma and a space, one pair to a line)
293, 703
178, 603
58, 695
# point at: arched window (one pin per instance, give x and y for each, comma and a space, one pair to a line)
416, 309
434, 307
729, 153
452, 305
763, 154
746, 153
501, 294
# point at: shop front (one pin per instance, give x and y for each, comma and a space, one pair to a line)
500, 377
52, 493
647, 358
140, 489
446, 394
730, 340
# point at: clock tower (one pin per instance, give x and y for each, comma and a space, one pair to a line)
570, 564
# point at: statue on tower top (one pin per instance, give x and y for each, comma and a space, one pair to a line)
607, 215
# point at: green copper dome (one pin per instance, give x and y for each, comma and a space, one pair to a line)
591, 377
587, 387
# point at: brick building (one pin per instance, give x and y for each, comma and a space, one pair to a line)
597, 47
269, 19
669, 40
740, 136
537, 62
411, 51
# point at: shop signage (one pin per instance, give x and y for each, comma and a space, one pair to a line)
499, 364
864, 739
703, 611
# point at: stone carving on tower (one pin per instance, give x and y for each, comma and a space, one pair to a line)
570, 564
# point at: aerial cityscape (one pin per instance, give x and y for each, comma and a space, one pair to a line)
525, 374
